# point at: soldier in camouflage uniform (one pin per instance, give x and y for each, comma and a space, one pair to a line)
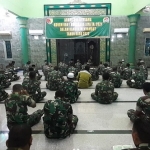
83, 66
142, 105
100, 68
3, 94
54, 79
143, 68
137, 80
59, 121
127, 72
26, 67
4, 82
106, 69
33, 87
70, 89
94, 73
16, 108
73, 70
38, 76
104, 92
63, 68
78, 65
115, 78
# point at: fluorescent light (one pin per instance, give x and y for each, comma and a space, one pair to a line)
119, 35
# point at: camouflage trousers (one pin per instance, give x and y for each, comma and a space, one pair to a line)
53, 86
55, 133
131, 114
39, 96
103, 100
15, 77
32, 119
3, 95
137, 85
73, 99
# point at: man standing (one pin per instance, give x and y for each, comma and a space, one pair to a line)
59, 121
84, 78
142, 105
104, 92
16, 108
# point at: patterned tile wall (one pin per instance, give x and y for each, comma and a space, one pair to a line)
119, 46
12, 25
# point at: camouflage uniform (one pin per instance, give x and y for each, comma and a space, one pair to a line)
107, 70
33, 88
127, 73
139, 79
16, 110
143, 106
94, 73
63, 68
115, 78
26, 68
54, 80
104, 93
100, 69
144, 70
45, 70
73, 70
59, 121
3, 94
4, 81
78, 65
71, 91
83, 66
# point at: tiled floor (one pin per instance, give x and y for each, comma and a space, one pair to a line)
100, 127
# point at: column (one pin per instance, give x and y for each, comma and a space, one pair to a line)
24, 40
133, 19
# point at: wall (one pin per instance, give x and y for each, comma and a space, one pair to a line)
34, 8
12, 25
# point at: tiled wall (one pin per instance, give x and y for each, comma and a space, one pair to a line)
37, 48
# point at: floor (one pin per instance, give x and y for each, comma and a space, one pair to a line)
100, 127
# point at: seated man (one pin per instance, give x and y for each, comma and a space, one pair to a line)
104, 92
33, 87
127, 72
70, 89
54, 79
100, 68
78, 65
141, 134
142, 105
106, 68
19, 138
143, 68
73, 70
115, 78
59, 121
94, 73
137, 80
16, 108
84, 78
4, 81
26, 67
3, 94
37, 72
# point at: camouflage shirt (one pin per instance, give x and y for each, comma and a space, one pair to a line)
94, 73
127, 73
104, 91
115, 78
56, 118
143, 105
16, 108
143, 146
71, 90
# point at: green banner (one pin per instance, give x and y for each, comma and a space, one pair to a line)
77, 27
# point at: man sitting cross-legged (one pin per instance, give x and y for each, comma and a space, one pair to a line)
16, 108
33, 87
104, 92
70, 89
142, 105
59, 121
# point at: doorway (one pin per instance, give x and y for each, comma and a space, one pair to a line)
82, 49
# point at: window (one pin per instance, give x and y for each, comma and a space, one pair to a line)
7, 50
147, 47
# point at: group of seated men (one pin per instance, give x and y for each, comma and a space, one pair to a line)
59, 121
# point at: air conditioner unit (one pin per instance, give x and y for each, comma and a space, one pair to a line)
146, 30
5, 33
36, 32
121, 30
